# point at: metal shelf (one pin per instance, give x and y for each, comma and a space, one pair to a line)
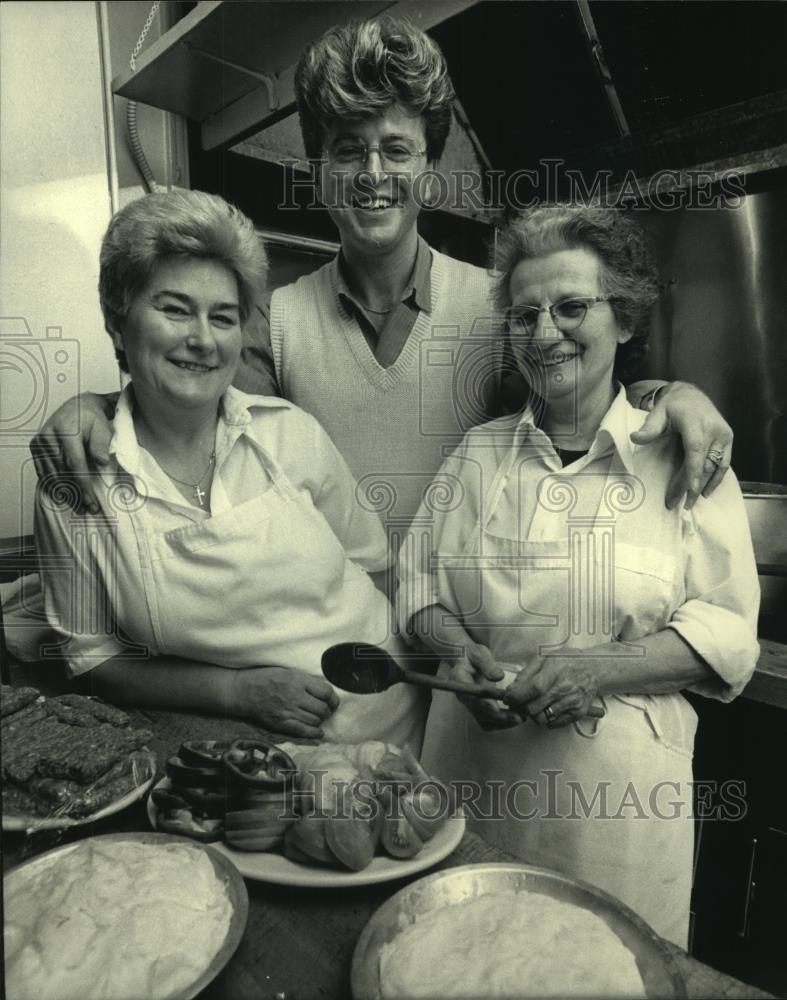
230, 65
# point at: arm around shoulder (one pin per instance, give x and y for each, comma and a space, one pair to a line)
256, 372
643, 394
719, 617
682, 409
76, 437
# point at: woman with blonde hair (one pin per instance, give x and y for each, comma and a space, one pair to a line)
229, 550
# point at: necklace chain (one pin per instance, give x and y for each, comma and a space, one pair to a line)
199, 495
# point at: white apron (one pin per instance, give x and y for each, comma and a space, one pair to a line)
269, 583
543, 807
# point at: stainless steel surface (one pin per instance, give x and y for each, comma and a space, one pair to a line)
766, 510
232, 65
267, 37
722, 319
657, 968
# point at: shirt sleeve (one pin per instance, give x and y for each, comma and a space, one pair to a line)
439, 530
76, 599
326, 475
719, 618
256, 372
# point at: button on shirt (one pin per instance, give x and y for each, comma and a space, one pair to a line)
698, 565
257, 374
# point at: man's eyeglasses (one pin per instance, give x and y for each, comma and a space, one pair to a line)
395, 154
567, 315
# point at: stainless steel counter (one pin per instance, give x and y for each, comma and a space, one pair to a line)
769, 683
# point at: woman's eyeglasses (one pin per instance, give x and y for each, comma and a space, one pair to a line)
395, 154
567, 315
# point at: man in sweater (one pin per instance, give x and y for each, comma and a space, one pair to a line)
390, 345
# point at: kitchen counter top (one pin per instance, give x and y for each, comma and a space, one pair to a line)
769, 683
299, 942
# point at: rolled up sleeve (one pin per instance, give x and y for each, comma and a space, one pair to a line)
77, 603
719, 617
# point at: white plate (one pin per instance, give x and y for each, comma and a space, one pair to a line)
21, 823
267, 866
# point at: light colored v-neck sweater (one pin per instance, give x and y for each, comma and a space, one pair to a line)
394, 425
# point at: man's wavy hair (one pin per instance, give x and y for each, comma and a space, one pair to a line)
628, 269
180, 224
363, 69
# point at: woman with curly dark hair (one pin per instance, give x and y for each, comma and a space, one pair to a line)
552, 562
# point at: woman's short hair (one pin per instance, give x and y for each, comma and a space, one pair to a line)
628, 271
170, 224
364, 68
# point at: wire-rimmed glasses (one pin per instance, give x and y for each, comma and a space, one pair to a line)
567, 315
395, 153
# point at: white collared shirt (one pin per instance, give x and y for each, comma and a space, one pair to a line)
708, 549
91, 564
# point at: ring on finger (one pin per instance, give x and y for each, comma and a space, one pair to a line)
716, 455
549, 713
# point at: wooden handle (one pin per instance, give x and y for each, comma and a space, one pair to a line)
463, 687
444, 684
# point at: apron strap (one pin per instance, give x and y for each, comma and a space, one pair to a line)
503, 473
500, 479
279, 479
590, 728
